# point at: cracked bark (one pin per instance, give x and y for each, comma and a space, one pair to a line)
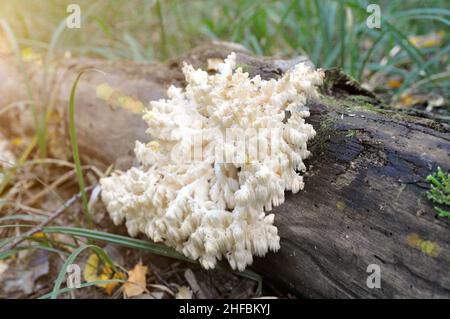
364, 200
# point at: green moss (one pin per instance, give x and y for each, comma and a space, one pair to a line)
323, 133
245, 67
363, 103
353, 103
440, 191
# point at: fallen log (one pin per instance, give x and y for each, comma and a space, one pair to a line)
364, 201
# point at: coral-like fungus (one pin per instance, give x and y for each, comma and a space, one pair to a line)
223, 152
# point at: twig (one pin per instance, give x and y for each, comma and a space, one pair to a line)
51, 187
192, 281
51, 218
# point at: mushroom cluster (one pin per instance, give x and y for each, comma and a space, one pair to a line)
223, 151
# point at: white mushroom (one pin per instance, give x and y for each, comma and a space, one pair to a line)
223, 152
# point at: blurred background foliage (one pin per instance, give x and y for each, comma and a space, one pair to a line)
405, 60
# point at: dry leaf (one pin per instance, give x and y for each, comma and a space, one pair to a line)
394, 83
408, 99
29, 55
430, 40
136, 284
39, 235
22, 278
92, 273
183, 293
17, 141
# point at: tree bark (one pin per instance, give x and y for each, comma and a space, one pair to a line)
364, 201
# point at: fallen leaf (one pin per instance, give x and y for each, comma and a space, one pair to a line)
183, 293
394, 83
22, 278
93, 272
17, 141
39, 235
29, 55
408, 99
136, 284
430, 40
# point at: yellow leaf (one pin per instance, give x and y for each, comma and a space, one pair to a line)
91, 269
394, 83
93, 272
136, 283
39, 235
430, 40
28, 55
17, 141
408, 99
112, 285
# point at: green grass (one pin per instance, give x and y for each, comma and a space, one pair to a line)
331, 33
75, 151
103, 237
82, 285
71, 259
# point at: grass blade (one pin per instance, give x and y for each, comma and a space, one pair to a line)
84, 285
155, 248
75, 151
70, 260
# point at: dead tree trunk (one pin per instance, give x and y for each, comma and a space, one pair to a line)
364, 202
